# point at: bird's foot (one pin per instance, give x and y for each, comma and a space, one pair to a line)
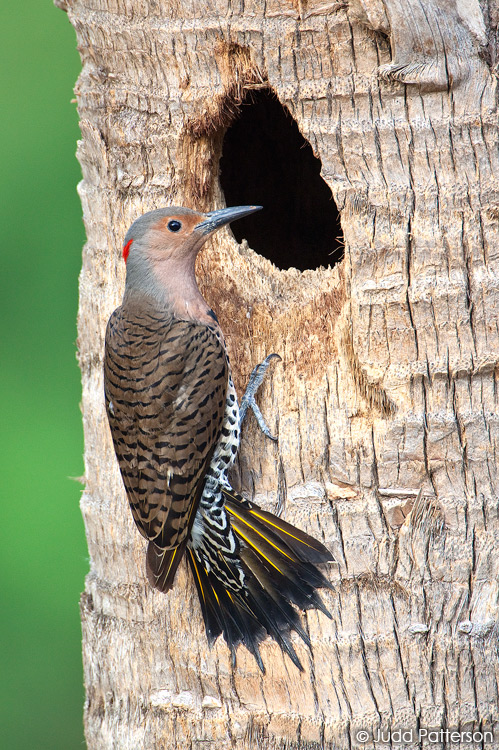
248, 400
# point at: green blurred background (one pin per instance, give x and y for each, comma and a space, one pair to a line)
42, 544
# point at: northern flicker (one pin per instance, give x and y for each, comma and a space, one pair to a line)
175, 423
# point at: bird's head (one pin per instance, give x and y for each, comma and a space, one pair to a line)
176, 233
160, 248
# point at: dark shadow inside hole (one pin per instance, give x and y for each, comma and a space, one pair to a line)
266, 161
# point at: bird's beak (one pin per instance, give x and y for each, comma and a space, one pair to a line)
216, 219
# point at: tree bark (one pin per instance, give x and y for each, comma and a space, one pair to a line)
385, 404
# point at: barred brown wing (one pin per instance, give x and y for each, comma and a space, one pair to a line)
166, 385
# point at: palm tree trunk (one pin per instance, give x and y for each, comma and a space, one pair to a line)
385, 403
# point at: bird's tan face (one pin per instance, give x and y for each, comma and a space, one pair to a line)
175, 237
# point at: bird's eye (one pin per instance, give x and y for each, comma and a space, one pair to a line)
174, 225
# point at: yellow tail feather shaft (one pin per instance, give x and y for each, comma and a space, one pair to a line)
195, 567
260, 533
279, 526
255, 547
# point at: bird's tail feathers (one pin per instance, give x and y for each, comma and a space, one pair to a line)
304, 546
278, 562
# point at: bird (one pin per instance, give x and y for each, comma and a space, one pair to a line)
175, 424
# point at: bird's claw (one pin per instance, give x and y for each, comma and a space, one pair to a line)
248, 400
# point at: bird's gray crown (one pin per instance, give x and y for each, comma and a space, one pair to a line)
143, 224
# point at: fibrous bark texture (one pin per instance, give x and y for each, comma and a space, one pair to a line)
385, 404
